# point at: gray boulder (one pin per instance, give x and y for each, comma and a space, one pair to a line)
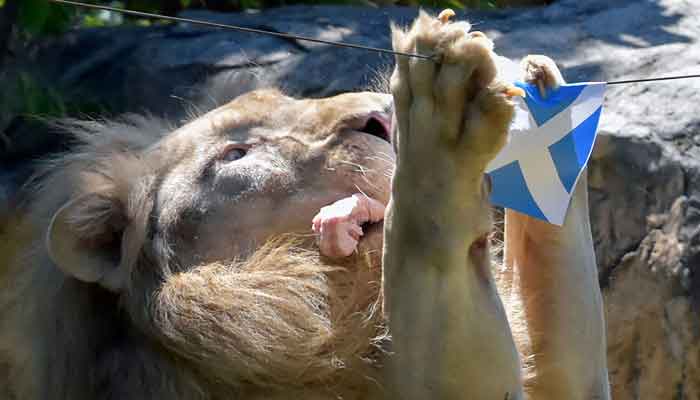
644, 173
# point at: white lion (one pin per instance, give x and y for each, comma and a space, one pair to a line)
173, 264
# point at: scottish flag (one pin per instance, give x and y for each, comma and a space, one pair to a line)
549, 145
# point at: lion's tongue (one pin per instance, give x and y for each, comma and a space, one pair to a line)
339, 225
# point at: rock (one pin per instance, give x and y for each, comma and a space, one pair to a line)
652, 324
644, 173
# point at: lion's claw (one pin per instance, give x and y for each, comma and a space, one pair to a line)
541, 71
457, 101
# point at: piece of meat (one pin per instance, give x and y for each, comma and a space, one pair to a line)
339, 225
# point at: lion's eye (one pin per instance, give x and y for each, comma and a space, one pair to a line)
233, 153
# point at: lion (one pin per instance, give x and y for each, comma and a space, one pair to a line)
277, 247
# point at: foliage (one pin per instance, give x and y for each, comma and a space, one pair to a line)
39, 16
26, 94
38, 100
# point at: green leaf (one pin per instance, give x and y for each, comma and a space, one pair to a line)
143, 5
456, 4
250, 4
60, 19
33, 14
38, 99
92, 21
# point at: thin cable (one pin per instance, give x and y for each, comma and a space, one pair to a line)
236, 28
665, 78
306, 38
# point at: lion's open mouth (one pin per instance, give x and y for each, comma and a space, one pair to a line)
378, 124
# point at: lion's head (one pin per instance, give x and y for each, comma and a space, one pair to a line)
154, 238
220, 186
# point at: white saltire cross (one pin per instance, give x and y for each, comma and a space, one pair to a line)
536, 171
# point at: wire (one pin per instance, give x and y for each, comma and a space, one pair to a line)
665, 78
237, 28
308, 39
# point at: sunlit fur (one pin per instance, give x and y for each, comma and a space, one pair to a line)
276, 323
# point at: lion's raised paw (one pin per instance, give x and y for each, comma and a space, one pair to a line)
452, 98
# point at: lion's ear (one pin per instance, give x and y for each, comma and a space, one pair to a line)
84, 240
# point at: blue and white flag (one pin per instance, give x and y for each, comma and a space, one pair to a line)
549, 145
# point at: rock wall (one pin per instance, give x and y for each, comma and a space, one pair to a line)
644, 173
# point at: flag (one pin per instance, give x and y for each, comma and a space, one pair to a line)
549, 145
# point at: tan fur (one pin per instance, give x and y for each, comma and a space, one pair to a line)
175, 272
450, 334
282, 320
550, 278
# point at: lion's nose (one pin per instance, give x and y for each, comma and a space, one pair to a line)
376, 124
